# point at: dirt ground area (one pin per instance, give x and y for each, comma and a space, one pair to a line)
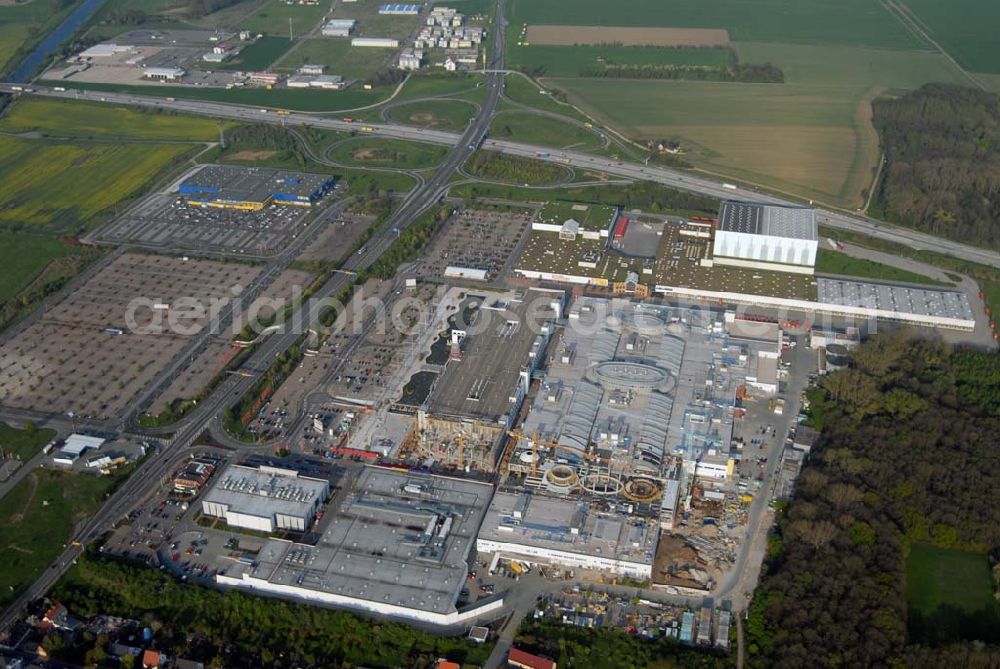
204, 367
475, 239
570, 35
92, 352
368, 374
252, 155
337, 239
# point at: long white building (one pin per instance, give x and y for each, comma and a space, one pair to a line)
559, 531
768, 237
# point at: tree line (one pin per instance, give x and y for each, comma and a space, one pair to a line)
237, 631
907, 456
586, 648
942, 162
499, 167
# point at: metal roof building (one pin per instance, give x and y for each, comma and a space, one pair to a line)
397, 544
252, 188
766, 236
551, 530
265, 499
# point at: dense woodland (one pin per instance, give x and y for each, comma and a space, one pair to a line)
942, 169
496, 166
908, 454
234, 630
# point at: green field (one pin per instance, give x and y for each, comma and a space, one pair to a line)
834, 262
339, 57
62, 186
967, 29
259, 55
273, 18
811, 136
523, 91
436, 114
70, 118
23, 256
532, 128
394, 153
23, 24
37, 519
373, 24
939, 576
853, 22
579, 60
22, 443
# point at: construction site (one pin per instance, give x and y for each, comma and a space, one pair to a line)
482, 360
631, 419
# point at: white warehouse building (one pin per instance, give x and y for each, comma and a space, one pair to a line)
556, 531
377, 42
767, 237
339, 27
265, 498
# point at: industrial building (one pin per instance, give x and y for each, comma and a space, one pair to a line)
376, 42
105, 50
395, 9
339, 27
487, 373
764, 236
265, 499
761, 255
330, 82
252, 188
75, 446
397, 544
548, 530
611, 418
263, 78
164, 73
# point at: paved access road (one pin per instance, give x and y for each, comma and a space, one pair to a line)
477, 130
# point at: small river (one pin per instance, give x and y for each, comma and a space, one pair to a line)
54, 39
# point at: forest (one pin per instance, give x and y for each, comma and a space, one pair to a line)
233, 630
942, 162
907, 457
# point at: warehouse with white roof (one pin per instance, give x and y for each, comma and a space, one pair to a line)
265, 499
768, 237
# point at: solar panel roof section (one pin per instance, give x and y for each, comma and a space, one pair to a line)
759, 219
742, 217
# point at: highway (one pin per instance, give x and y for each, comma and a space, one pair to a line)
477, 130
161, 461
